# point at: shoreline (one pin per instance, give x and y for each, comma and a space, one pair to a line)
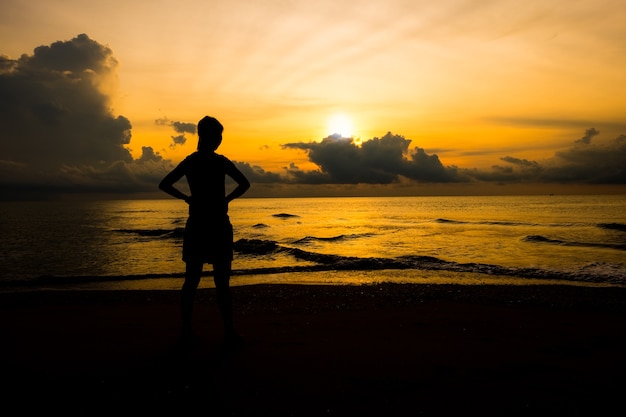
173, 282
318, 350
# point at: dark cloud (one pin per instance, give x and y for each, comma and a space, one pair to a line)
564, 123
179, 127
58, 134
583, 162
178, 140
389, 160
256, 174
521, 162
376, 161
590, 163
53, 108
182, 127
589, 134
149, 155
58, 129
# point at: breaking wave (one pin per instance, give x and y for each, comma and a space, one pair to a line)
284, 215
592, 273
340, 238
155, 233
613, 226
543, 239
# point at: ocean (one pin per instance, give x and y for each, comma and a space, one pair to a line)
130, 244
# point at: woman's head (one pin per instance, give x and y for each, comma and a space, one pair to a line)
209, 133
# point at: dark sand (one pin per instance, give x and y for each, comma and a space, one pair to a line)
379, 350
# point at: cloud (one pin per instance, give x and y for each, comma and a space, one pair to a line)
389, 160
179, 127
590, 163
589, 134
376, 161
58, 130
583, 162
59, 134
52, 107
178, 140
520, 162
256, 174
563, 123
182, 127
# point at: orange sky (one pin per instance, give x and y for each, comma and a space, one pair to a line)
471, 82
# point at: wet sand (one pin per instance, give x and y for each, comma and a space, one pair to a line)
374, 350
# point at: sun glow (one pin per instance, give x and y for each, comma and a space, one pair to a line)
340, 124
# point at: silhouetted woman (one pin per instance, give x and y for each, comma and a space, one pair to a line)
208, 236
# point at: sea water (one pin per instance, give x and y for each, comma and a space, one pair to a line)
579, 239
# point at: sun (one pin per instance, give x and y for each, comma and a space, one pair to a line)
340, 124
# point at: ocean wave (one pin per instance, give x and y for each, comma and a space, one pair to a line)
255, 246
160, 233
284, 215
135, 211
326, 262
444, 221
338, 238
598, 272
591, 274
543, 239
485, 222
613, 226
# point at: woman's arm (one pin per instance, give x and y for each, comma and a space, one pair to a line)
167, 183
242, 182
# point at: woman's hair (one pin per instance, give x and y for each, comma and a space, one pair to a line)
209, 133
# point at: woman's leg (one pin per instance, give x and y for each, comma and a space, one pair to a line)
193, 272
221, 277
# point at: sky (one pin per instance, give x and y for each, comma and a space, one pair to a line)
327, 97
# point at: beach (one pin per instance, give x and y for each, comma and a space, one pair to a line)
372, 350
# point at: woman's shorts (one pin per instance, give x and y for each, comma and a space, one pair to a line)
208, 240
